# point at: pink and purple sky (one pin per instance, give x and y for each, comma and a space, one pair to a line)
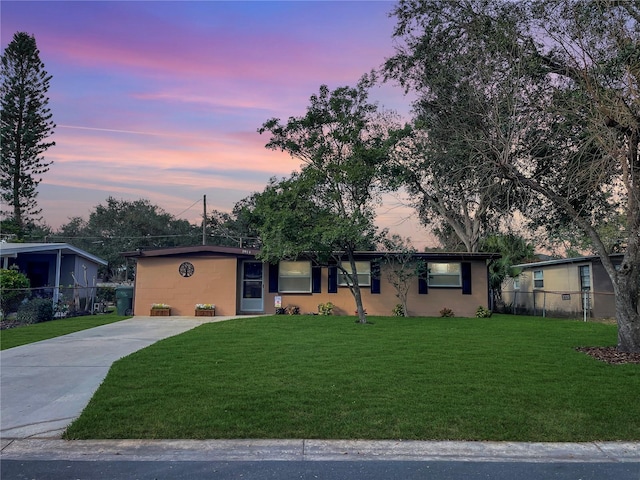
162, 99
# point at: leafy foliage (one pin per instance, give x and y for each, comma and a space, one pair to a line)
402, 268
14, 288
36, 310
551, 89
513, 250
120, 225
456, 78
327, 209
446, 313
325, 308
26, 123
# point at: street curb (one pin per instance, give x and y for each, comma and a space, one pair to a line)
318, 450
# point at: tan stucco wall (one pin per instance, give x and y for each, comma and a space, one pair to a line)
383, 303
213, 281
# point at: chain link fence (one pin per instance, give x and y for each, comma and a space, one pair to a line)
67, 301
564, 304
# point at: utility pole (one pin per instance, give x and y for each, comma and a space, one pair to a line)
204, 221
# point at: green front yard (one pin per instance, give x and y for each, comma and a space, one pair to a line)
503, 378
14, 337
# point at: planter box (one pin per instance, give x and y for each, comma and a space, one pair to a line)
160, 312
206, 313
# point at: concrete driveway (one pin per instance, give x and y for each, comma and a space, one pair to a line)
44, 386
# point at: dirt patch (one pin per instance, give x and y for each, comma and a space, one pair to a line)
610, 355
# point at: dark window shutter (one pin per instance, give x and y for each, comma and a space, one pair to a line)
375, 277
465, 270
423, 286
273, 277
316, 279
333, 279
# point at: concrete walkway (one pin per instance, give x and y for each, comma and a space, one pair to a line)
44, 386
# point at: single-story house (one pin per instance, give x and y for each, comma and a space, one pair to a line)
568, 287
53, 267
238, 283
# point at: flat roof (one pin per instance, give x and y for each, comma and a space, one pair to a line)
193, 250
204, 250
560, 261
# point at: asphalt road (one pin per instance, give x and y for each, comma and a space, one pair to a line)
327, 470
40, 459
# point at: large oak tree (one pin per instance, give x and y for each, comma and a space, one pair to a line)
563, 124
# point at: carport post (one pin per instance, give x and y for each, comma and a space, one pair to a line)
56, 288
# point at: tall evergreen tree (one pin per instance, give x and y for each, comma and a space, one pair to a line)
26, 124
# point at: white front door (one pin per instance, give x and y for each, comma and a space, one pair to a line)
252, 287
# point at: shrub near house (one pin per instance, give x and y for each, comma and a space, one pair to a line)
14, 288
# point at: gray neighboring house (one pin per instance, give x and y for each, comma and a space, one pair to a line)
53, 266
568, 287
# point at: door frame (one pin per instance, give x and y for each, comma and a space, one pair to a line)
253, 305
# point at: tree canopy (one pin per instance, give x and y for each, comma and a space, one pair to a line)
121, 225
328, 209
556, 90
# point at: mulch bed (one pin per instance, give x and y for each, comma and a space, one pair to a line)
610, 355
6, 324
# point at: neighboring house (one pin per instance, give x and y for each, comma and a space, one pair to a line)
567, 287
51, 268
237, 283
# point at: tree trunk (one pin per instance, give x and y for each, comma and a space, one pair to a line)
362, 316
355, 288
625, 280
627, 291
628, 322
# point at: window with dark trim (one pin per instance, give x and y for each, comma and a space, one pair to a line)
294, 277
443, 274
364, 274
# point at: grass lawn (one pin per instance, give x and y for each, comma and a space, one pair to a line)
23, 335
502, 378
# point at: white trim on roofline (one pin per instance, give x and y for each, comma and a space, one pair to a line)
12, 249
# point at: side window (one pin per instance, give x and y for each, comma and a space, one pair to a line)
585, 277
516, 283
538, 279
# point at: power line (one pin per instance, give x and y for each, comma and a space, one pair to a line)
187, 209
122, 238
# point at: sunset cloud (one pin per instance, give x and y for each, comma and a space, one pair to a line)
162, 100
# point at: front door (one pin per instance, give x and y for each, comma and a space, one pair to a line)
252, 287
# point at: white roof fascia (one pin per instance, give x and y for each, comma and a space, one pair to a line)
12, 249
